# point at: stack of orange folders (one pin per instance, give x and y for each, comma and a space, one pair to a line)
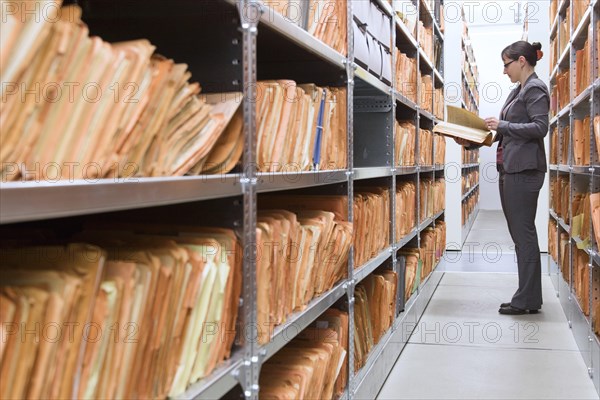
581, 279
425, 147
152, 312
371, 222
554, 146
325, 20
552, 240
303, 246
566, 138
374, 311
563, 85
406, 76
426, 86
406, 136
406, 206
300, 127
312, 365
132, 113
582, 68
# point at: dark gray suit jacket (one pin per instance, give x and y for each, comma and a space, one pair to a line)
523, 126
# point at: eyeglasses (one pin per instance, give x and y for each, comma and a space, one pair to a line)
508, 63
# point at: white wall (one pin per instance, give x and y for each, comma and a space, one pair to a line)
493, 25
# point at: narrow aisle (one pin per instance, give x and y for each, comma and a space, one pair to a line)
462, 348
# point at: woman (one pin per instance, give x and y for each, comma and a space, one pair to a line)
521, 163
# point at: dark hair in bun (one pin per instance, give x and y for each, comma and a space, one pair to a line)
531, 51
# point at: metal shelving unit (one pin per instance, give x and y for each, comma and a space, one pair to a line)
469, 224
473, 165
371, 112
298, 36
30, 201
218, 384
372, 80
275, 181
581, 179
366, 269
298, 321
466, 195
371, 173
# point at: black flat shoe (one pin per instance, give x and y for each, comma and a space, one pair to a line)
510, 310
504, 305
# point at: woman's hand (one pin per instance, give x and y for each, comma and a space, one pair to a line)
492, 123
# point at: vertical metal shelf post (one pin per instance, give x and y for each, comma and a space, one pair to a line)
350, 68
249, 16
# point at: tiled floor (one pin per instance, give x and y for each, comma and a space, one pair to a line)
463, 349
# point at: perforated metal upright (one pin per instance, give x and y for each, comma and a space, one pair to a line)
581, 179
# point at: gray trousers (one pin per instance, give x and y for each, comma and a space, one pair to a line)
519, 195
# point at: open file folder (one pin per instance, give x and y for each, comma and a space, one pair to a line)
465, 125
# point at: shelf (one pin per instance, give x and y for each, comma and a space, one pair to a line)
563, 168
469, 61
372, 80
426, 168
404, 29
465, 166
404, 100
428, 62
582, 28
563, 57
372, 172
371, 377
553, 28
467, 227
299, 36
298, 321
376, 351
437, 30
564, 112
217, 384
366, 269
386, 7
563, 224
28, 201
274, 181
471, 94
553, 214
579, 310
406, 170
426, 114
553, 121
438, 76
439, 167
578, 241
554, 73
466, 195
581, 170
404, 241
429, 221
562, 6
582, 97
428, 12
